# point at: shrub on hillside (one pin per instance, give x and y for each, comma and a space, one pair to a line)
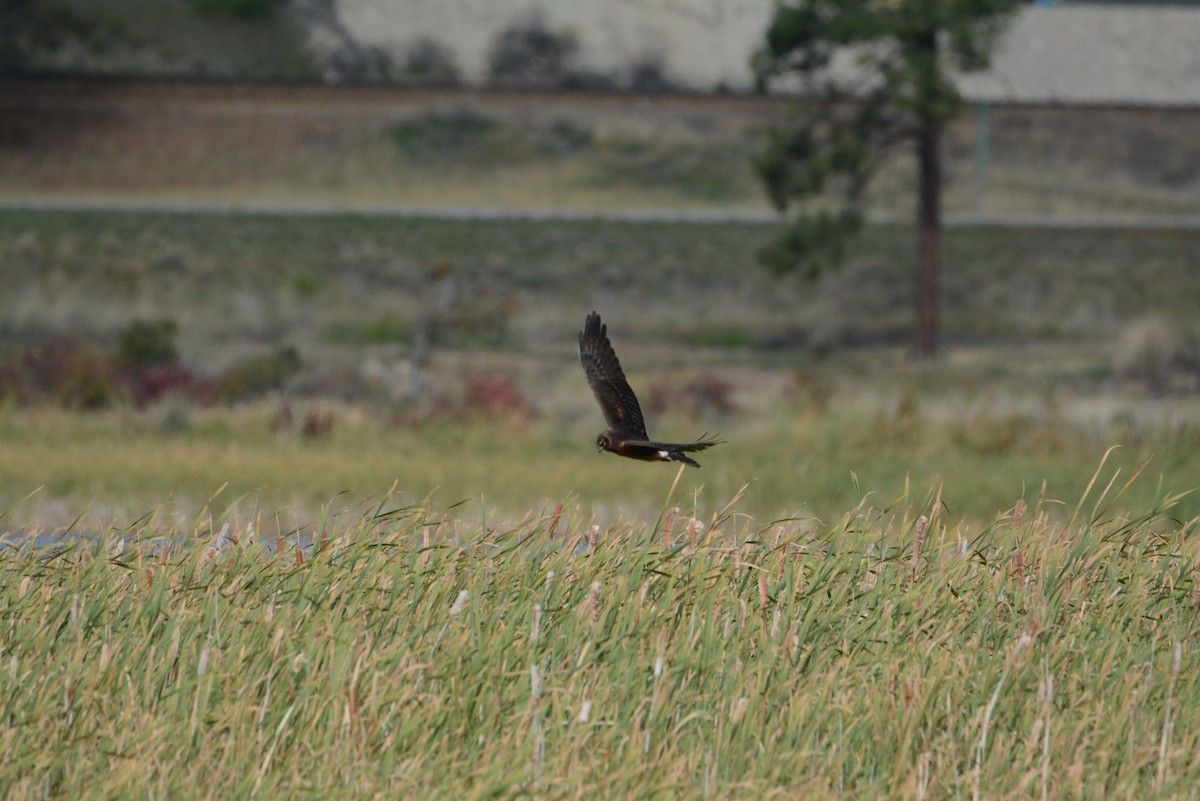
1148, 352
64, 371
258, 375
246, 9
428, 62
528, 55
146, 344
495, 396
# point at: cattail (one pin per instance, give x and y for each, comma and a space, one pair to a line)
535, 627
1023, 644
1196, 588
594, 603
764, 597
594, 538
149, 578
23, 589
1168, 720
667, 523
279, 544
585, 711
695, 528
535, 683
738, 710
553, 527
1019, 567
223, 541
870, 579
460, 603
918, 541
776, 537
737, 560
1018, 512
299, 556
202, 667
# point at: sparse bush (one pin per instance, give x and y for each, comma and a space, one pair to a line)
67, 372
430, 63
706, 395
380, 331
148, 344
317, 423
495, 396
480, 315
258, 375
305, 284
1147, 352
153, 384
246, 9
450, 136
528, 55
648, 75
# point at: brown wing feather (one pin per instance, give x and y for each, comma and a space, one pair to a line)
607, 380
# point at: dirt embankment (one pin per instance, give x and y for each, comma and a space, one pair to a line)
236, 142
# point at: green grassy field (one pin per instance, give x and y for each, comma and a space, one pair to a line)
417, 654
1027, 391
812, 451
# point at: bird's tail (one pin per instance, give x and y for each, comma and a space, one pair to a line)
676, 456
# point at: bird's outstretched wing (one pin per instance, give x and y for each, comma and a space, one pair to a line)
605, 377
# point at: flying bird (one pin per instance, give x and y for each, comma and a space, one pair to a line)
626, 434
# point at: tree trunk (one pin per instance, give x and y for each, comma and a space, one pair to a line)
929, 227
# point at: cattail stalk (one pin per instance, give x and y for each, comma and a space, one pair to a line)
666, 529
1168, 721
694, 529
918, 541
594, 603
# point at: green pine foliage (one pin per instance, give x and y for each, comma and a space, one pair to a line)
870, 75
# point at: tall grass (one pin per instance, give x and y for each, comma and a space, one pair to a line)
413, 653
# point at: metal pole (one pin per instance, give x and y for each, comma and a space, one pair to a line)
982, 155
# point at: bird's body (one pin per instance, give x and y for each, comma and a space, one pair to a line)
626, 434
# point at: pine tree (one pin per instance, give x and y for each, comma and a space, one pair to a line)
872, 76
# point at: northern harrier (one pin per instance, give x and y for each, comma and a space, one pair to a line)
626, 434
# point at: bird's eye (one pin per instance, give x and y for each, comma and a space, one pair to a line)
602, 441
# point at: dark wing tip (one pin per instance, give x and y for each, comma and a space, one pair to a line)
592, 326
594, 332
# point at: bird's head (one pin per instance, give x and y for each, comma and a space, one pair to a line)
603, 442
